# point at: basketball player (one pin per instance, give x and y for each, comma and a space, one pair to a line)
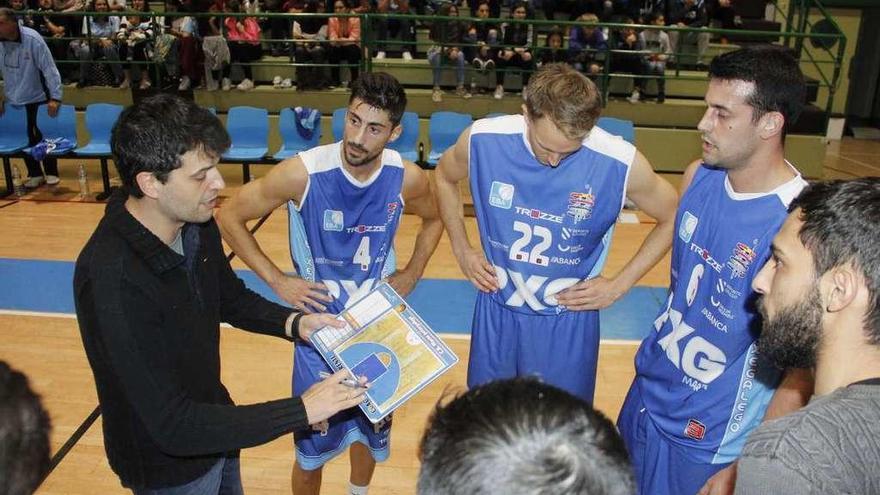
547, 188
699, 387
345, 201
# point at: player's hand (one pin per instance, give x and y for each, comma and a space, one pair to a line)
403, 282
721, 483
303, 295
478, 270
309, 323
52, 108
329, 396
595, 293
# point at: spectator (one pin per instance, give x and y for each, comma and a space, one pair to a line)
820, 300
34, 81
657, 43
216, 50
394, 27
345, 42
521, 437
24, 435
310, 36
135, 38
243, 39
723, 15
628, 58
481, 42
571, 8
448, 36
691, 14
553, 51
279, 27
185, 30
53, 27
516, 53
99, 44
587, 45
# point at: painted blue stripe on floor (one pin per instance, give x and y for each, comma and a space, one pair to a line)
447, 305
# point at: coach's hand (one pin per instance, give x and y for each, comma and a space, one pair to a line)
595, 293
329, 396
309, 323
301, 294
403, 282
478, 270
721, 483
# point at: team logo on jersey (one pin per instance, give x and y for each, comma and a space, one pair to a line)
723, 287
501, 195
580, 205
333, 220
365, 229
392, 208
706, 256
695, 430
741, 260
688, 226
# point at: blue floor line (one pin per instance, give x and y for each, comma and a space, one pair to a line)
447, 305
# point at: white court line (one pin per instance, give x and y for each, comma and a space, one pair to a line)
450, 336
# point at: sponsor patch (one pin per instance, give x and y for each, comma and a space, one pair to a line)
501, 195
688, 226
695, 430
333, 220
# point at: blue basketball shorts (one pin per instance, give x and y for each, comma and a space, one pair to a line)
316, 446
561, 350
660, 467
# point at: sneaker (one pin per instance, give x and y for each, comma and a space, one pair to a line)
437, 96
245, 85
634, 97
34, 182
474, 88
145, 84
499, 92
286, 83
226, 84
185, 83
478, 64
407, 56
52, 180
490, 64
380, 55
212, 85
276, 82
460, 91
661, 98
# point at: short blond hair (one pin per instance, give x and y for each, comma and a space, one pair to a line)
565, 96
588, 18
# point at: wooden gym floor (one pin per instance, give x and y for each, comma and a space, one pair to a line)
53, 224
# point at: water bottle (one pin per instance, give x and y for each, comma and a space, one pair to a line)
17, 182
83, 179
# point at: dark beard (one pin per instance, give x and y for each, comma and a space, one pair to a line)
363, 161
791, 338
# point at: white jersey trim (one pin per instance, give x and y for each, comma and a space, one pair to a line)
786, 192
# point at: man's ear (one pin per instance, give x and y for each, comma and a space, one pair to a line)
772, 124
841, 288
148, 183
396, 132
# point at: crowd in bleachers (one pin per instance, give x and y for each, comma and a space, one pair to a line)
180, 43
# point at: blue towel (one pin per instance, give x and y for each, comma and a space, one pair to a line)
44, 147
307, 121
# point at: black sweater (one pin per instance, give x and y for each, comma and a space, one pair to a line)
149, 320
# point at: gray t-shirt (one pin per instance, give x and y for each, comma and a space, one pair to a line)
830, 446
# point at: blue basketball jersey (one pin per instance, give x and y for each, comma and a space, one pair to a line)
543, 228
698, 373
342, 232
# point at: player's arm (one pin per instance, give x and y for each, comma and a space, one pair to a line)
658, 199
419, 199
453, 168
792, 394
285, 181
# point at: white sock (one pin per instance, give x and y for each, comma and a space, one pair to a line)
357, 490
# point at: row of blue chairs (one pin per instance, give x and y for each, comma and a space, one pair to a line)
248, 129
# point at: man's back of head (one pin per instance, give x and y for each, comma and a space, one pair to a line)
24, 435
521, 436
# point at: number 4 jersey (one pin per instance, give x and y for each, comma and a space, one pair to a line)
544, 228
697, 372
342, 233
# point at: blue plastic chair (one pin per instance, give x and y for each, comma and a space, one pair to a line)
338, 123
100, 118
292, 141
618, 127
248, 129
407, 143
13, 139
443, 130
62, 125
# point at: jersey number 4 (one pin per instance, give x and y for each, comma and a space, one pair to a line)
362, 255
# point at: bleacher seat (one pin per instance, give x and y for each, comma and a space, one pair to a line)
618, 127
248, 129
13, 139
407, 143
292, 142
443, 130
100, 118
